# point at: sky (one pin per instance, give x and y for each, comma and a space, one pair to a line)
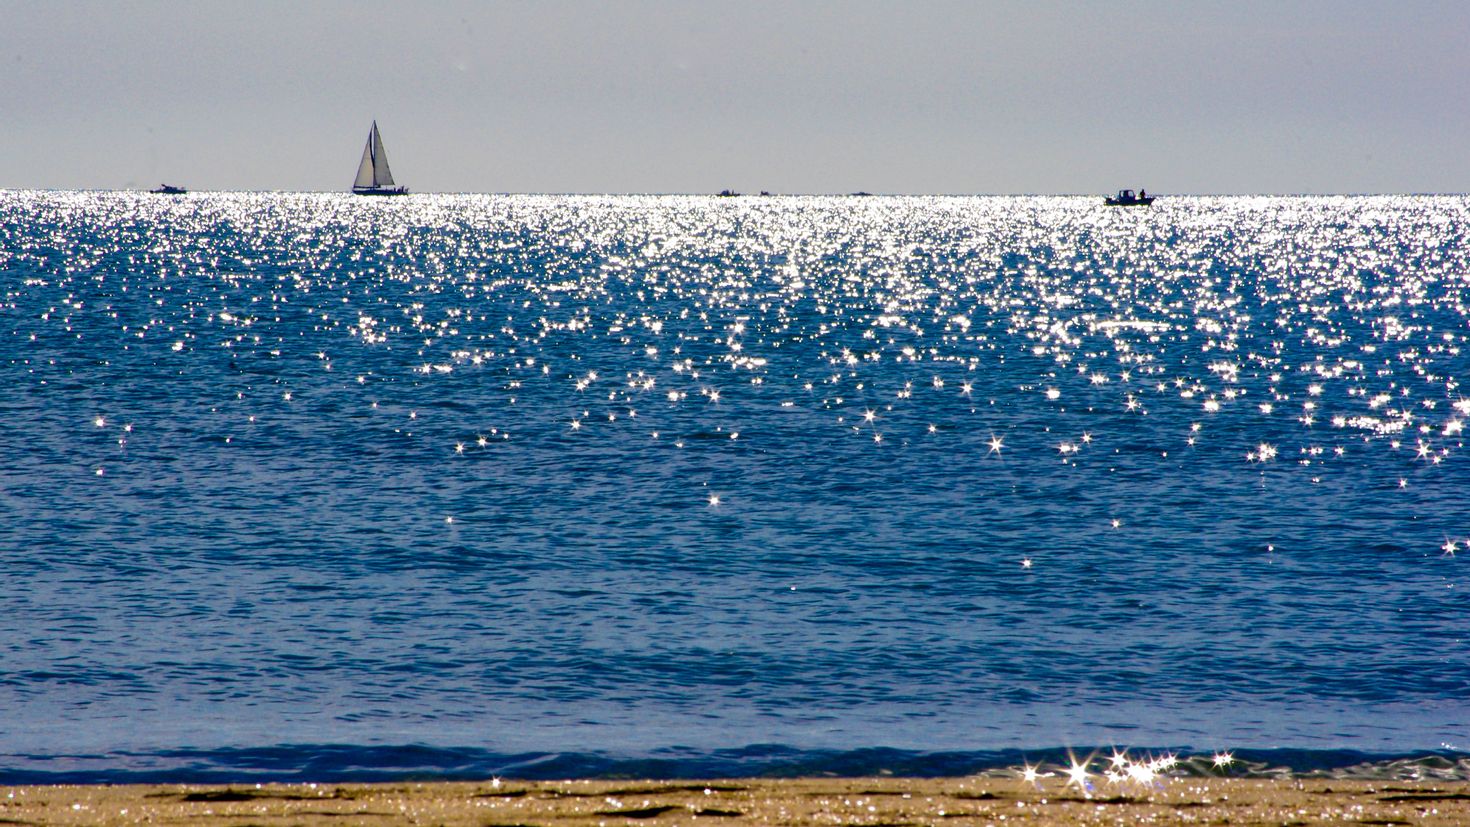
908, 96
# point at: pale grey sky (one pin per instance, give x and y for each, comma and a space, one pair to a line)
1044, 96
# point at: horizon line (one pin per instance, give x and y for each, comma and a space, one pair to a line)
762, 194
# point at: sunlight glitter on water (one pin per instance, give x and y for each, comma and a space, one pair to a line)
1317, 323
1174, 417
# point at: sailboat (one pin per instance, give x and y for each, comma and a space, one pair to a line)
373, 176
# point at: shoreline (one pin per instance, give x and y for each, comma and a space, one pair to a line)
338, 764
801, 801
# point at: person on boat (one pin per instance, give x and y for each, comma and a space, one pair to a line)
1142, 194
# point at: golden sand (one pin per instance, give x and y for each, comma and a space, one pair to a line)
872, 802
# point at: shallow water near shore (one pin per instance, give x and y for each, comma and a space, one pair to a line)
637, 478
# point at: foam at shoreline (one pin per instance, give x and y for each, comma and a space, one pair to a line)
328, 763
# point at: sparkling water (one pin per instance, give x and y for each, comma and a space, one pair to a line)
456, 483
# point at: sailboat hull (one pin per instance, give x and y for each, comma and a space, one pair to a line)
380, 190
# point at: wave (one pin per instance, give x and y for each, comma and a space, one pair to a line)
341, 763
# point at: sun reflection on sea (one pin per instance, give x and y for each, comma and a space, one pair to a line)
982, 428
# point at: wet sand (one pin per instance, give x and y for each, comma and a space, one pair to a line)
873, 802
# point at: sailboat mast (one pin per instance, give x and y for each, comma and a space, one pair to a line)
373, 143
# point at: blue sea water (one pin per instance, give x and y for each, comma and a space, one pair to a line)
322, 487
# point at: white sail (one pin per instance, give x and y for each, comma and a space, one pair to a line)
372, 170
365, 168
381, 176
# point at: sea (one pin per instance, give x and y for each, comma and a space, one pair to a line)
316, 487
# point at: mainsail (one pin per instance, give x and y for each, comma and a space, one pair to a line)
373, 174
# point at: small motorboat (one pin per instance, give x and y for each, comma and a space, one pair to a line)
169, 189
1126, 198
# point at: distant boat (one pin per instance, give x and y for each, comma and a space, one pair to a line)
169, 189
1126, 198
373, 175
727, 193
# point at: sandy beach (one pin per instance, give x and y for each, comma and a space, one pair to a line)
847, 801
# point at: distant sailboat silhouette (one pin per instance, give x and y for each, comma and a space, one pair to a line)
373, 175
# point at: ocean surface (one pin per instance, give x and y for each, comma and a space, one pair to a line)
314, 486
